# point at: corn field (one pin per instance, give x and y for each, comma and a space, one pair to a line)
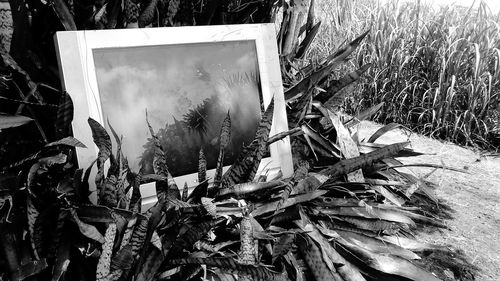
435, 68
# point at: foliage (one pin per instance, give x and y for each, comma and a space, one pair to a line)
345, 214
436, 69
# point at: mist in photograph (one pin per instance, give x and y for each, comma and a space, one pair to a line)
187, 90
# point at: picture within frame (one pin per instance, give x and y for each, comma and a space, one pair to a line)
88, 75
187, 91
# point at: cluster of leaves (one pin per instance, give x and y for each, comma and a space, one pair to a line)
183, 139
313, 225
343, 215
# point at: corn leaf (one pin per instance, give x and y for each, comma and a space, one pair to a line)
306, 43
383, 130
331, 95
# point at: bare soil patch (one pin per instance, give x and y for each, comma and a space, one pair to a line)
474, 197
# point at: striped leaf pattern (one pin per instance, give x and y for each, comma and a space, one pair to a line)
202, 166
103, 142
225, 136
247, 249
314, 260
258, 273
147, 14
103, 266
248, 160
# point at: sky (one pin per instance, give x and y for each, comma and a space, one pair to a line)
493, 4
168, 81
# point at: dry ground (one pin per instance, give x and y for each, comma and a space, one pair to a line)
474, 197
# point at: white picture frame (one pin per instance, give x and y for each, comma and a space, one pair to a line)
76, 50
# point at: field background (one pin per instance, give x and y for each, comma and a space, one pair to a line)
436, 67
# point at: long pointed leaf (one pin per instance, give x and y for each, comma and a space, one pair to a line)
248, 161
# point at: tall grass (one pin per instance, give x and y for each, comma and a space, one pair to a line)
437, 70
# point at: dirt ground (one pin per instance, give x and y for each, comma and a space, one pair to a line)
474, 197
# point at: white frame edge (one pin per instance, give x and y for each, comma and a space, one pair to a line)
79, 78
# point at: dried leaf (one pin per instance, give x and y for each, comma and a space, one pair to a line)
330, 96
384, 130
346, 166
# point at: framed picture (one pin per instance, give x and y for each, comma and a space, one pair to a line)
187, 79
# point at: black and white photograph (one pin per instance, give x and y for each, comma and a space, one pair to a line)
187, 90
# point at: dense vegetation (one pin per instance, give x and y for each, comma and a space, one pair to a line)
435, 68
348, 213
